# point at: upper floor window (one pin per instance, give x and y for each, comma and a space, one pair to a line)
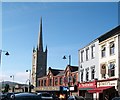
61, 81
93, 51
56, 81
87, 75
82, 55
74, 78
50, 82
81, 76
38, 82
41, 82
112, 48
103, 50
103, 70
92, 72
44, 82
111, 69
87, 54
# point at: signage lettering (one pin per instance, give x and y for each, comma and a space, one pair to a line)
87, 85
49, 88
107, 83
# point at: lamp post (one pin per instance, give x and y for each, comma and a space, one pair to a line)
6, 53
69, 61
29, 79
12, 76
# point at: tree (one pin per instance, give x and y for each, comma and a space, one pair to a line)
6, 88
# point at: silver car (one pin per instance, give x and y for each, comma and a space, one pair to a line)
45, 96
25, 96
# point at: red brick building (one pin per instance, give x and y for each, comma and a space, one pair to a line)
60, 81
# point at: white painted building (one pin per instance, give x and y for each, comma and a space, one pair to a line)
88, 68
109, 59
88, 62
100, 60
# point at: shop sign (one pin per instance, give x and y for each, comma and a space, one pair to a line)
72, 88
87, 85
49, 88
107, 83
64, 88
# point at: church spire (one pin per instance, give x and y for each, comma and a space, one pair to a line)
40, 41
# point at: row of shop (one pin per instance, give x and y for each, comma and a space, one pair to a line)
97, 89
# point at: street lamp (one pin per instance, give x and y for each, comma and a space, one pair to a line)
12, 76
64, 57
6, 53
29, 79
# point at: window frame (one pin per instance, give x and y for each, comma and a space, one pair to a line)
93, 51
103, 51
112, 48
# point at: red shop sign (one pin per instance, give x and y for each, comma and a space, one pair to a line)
87, 85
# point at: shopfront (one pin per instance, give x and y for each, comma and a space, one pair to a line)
105, 89
73, 90
84, 87
59, 91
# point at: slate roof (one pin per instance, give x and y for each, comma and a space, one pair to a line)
73, 68
61, 72
55, 71
109, 34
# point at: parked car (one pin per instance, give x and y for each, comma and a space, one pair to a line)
116, 98
45, 96
25, 96
75, 98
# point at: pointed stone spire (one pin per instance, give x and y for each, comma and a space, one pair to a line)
46, 49
40, 41
34, 49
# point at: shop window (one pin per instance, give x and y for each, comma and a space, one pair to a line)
82, 52
87, 74
111, 69
87, 54
56, 81
61, 81
93, 51
93, 73
81, 76
112, 48
103, 50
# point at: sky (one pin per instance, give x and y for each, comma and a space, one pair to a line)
67, 27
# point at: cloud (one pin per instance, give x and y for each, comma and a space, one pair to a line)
20, 77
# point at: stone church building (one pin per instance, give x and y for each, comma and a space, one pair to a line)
39, 59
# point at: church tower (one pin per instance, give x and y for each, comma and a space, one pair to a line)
39, 59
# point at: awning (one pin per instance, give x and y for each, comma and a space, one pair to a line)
85, 88
99, 89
